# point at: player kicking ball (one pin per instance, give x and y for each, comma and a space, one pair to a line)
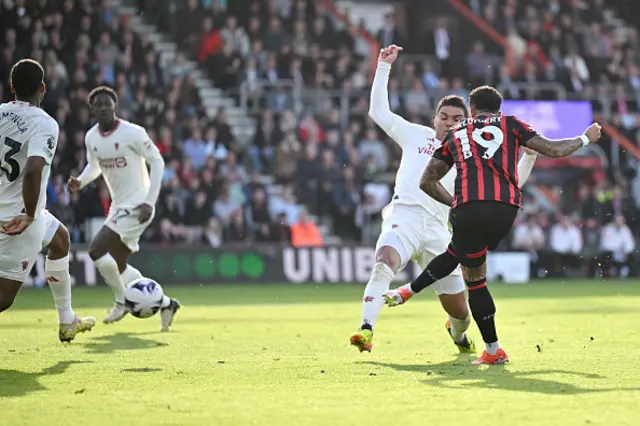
28, 138
414, 225
487, 197
118, 150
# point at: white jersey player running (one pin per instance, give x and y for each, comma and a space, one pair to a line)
120, 151
414, 225
28, 139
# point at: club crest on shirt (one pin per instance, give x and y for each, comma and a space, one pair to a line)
117, 145
25, 265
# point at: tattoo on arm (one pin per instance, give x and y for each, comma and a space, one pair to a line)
430, 181
554, 148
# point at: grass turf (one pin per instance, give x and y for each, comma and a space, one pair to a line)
279, 355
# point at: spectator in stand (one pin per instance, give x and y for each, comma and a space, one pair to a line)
257, 215
305, 233
346, 201
389, 34
212, 234
235, 37
529, 236
565, 241
197, 215
195, 149
617, 245
372, 146
280, 230
237, 231
224, 208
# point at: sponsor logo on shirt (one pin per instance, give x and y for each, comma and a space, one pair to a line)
112, 162
426, 150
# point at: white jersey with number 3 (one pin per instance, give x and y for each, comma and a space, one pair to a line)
25, 131
120, 154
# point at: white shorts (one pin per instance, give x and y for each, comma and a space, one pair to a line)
52, 225
18, 253
125, 223
419, 237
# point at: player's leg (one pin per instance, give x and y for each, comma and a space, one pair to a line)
391, 255
450, 290
481, 226
129, 230
8, 291
57, 272
103, 243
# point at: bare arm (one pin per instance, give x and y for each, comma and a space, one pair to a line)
555, 148
430, 181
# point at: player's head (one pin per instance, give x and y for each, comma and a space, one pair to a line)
102, 101
450, 110
27, 81
485, 99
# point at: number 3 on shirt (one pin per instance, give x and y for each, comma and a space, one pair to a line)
8, 164
491, 146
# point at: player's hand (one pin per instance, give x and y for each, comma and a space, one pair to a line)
529, 151
74, 184
389, 54
593, 133
146, 211
17, 225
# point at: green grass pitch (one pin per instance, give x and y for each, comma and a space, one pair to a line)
279, 355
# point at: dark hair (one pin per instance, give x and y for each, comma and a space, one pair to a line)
27, 77
102, 90
486, 98
453, 101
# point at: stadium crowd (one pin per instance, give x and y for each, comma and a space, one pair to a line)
299, 72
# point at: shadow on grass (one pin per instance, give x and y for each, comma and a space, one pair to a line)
14, 383
461, 373
121, 342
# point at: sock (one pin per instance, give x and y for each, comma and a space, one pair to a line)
459, 327
108, 268
130, 274
165, 301
492, 348
57, 272
483, 310
438, 268
372, 303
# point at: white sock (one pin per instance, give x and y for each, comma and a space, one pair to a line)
408, 287
108, 268
130, 275
492, 348
165, 301
459, 327
372, 303
57, 272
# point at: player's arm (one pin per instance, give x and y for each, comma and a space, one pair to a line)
379, 109
525, 166
90, 173
438, 167
557, 148
154, 159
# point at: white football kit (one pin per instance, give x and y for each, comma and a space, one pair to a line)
120, 156
25, 131
414, 224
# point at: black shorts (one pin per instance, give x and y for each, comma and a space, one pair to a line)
479, 226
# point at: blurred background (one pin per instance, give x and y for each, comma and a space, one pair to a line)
259, 108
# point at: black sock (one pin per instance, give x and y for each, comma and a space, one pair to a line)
366, 326
483, 309
440, 267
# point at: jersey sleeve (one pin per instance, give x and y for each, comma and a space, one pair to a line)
444, 152
145, 146
522, 129
43, 143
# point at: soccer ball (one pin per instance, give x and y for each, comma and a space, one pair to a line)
143, 298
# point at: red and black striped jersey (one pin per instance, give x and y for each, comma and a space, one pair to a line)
485, 150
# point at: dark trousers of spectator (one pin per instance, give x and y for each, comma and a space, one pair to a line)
561, 263
344, 224
609, 266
